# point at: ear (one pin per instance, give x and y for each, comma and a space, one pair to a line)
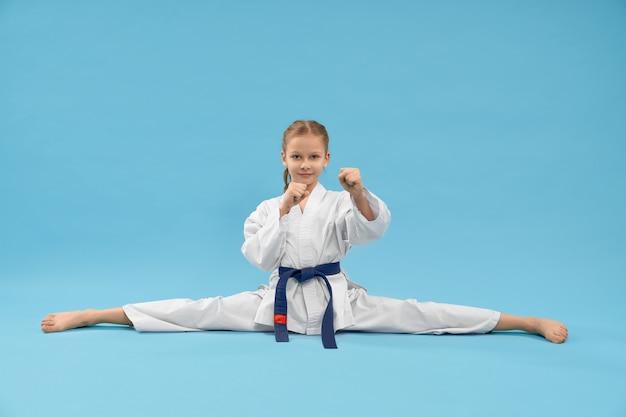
284, 158
327, 159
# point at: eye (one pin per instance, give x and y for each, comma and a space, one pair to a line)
295, 156
315, 156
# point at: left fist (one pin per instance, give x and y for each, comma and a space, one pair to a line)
350, 180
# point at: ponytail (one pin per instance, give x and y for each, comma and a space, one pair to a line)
286, 178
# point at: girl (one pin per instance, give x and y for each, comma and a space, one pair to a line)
302, 236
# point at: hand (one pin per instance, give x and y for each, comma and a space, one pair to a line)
350, 180
295, 193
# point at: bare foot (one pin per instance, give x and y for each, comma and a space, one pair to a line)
554, 331
59, 322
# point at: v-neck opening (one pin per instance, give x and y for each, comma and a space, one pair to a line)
313, 198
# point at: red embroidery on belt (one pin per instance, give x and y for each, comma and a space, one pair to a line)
280, 319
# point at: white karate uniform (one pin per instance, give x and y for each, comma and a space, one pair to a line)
323, 233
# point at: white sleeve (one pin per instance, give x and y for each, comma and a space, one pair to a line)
362, 231
265, 236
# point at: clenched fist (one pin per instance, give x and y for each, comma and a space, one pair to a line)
296, 192
350, 180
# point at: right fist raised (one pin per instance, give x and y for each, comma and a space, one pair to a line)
295, 193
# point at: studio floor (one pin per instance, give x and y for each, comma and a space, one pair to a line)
136, 137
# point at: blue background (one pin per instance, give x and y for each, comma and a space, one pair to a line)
135, 138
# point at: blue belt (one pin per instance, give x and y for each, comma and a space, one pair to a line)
280, 301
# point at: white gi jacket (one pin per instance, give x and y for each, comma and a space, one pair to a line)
323, 233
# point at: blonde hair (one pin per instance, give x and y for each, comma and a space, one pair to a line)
302, 128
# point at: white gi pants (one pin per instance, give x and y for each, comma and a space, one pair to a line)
371, 314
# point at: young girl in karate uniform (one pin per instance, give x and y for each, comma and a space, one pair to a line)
301, 237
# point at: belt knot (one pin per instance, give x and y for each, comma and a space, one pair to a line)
280, 301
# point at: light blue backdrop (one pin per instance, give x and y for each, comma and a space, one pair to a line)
135, 138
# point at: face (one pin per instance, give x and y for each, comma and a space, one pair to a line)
305, 157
